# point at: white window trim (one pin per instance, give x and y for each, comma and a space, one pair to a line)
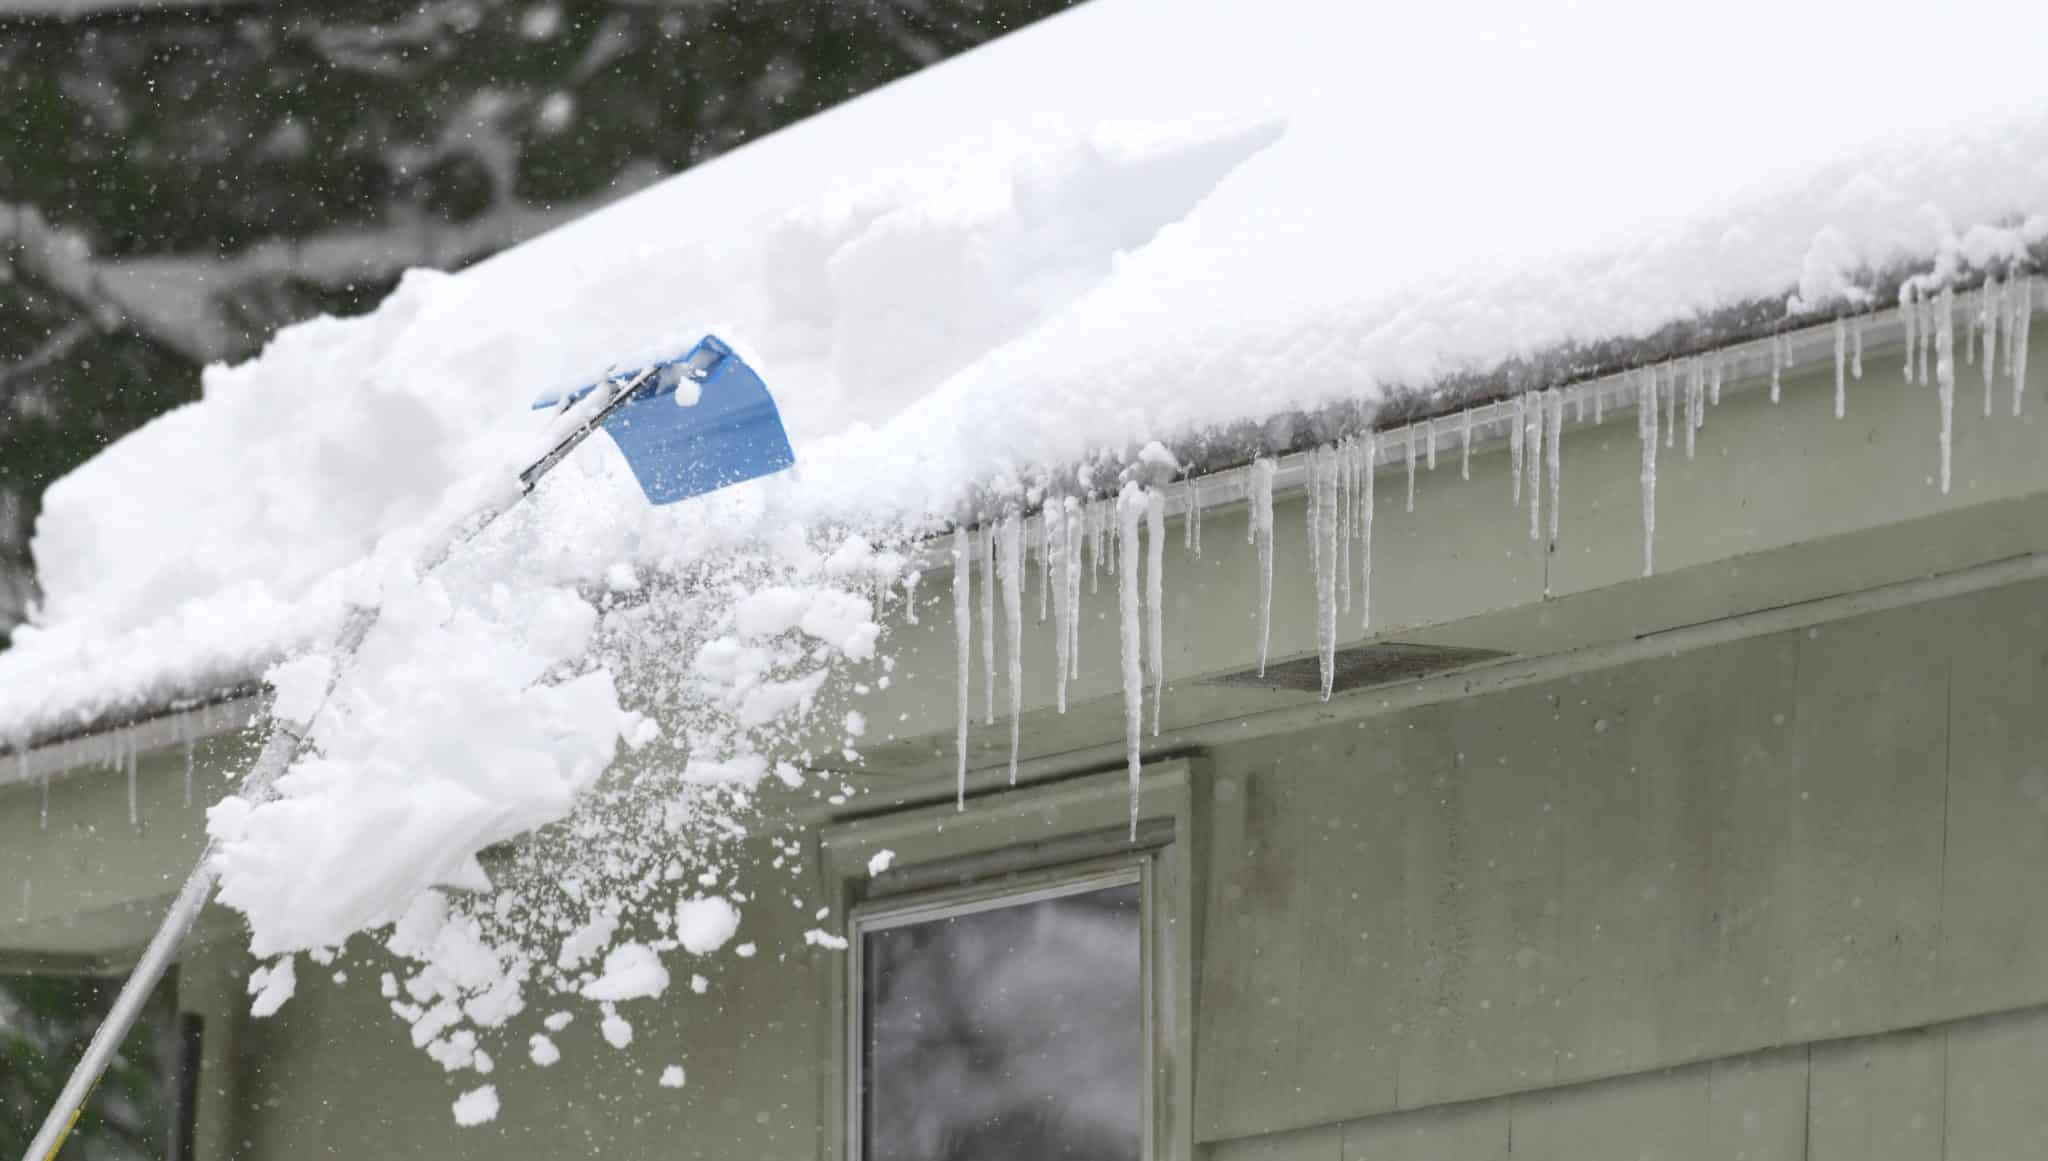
1006, 849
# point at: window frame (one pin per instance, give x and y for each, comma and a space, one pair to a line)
1006, 849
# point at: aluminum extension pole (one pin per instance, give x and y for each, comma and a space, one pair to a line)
574, 425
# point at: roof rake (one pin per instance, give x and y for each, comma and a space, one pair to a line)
687, 426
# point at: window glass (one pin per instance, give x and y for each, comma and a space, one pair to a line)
1010, 1033
45, 1022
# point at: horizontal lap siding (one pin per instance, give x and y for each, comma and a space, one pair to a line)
1813, 835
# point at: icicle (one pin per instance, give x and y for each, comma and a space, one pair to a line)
910, 580
1322, 529
1988, 306
1945, 375
1155, 599
1532, 452
1927, 325
134, 806
1714, 381
1429, 438
1695, 400
1777, 367
1098, 518
963, 632
2022, 329
1842, 369
1554, 441
1311, 497
1411, 467
1670, 405
1195, 513
1856, 350
1646, 427
1044, 566
1368, 472
1347, 516
1076, 514
1055, 517
988, 619
1599, 405
1515, 449
1976, 319
1579, 403
1187, 526
1010, 565
1465, 445
1130, 504
1259, 488
1911, 317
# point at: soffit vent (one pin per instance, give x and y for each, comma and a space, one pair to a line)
1360, 667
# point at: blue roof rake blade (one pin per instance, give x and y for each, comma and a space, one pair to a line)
704, 421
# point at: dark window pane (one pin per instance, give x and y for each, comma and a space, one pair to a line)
1012, 1033
45, 1022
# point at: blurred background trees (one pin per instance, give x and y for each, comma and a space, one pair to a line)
177, 181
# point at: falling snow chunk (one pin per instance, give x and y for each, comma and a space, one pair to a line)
703, 925
617, 1030
818, 937
477, 1106
542, 1051
879, 862
272, 986
632, 971
672, 1076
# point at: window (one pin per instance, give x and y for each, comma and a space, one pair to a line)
1015, 983
1008, 1028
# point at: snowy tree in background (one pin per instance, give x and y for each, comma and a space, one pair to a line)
180, 182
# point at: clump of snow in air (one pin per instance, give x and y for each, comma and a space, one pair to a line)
542, 1050
672, 1076
972, 307
704, 925
272, 985
880, 861
477, 1106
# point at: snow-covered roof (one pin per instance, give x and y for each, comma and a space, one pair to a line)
1144, 219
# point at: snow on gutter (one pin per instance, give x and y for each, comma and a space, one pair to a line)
1739, 349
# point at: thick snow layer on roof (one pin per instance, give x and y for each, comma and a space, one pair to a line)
1145, 219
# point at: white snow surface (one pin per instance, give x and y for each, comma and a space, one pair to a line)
972, 276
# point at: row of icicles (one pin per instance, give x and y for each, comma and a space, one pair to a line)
1126, 533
